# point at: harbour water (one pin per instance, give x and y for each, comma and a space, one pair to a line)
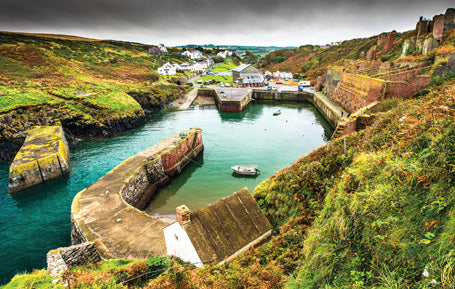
38, 219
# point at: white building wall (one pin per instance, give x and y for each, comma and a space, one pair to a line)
179, 244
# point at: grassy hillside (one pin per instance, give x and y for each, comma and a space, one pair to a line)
381, 215
88, 85
311, 61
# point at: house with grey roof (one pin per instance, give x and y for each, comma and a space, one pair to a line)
247, 75
219, 231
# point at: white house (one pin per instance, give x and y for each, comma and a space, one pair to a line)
221, 230
224, 54
162, 48
193, 54
167, 69
186, 66
282, 75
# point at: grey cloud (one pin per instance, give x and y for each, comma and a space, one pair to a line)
179, 21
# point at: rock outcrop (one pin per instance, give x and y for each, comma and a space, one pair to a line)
43, 156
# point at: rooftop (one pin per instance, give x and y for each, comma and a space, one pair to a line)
241, 67
226, 226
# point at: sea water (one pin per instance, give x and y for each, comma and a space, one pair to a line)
38, 219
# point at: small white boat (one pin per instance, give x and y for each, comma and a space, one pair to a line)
245, 170
277, 112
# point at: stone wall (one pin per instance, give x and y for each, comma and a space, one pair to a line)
62, 259
43, 156
405, 74
354, 91
175, 157
332, 116
438, 28
406, 89
141, 187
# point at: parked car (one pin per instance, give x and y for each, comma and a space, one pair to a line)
274, 87
206, 83
221, 84
227, 84
279, 82
269, 88
300, 88
304, 83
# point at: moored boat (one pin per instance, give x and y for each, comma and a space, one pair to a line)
277, 112
245, 170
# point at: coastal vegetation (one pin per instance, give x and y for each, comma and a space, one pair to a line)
87, 85
374, 209
310, 61
378, 215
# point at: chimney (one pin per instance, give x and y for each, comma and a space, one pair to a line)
183, 215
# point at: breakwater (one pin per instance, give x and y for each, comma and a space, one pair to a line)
327, 110
109, 211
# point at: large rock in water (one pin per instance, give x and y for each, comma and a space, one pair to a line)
43, 156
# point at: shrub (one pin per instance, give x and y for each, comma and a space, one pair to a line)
388, 104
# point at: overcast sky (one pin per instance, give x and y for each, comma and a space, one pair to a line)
219, 22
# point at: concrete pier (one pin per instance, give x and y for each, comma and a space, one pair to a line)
227, 99
109, 211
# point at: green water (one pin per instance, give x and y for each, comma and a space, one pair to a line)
38, 219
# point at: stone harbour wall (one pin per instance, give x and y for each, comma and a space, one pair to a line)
332, 116
230, 105
43, 156
62, 259
109, 211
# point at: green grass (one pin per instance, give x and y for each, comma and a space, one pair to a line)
37, 280
112, 97
13, 97
227, 66
216, 78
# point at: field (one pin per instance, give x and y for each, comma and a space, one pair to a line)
227, 66
215, 78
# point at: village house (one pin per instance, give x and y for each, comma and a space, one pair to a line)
247, 75
224, 54
218, 232
282, 75
168, 69
160, 50
186, 66
193, 54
